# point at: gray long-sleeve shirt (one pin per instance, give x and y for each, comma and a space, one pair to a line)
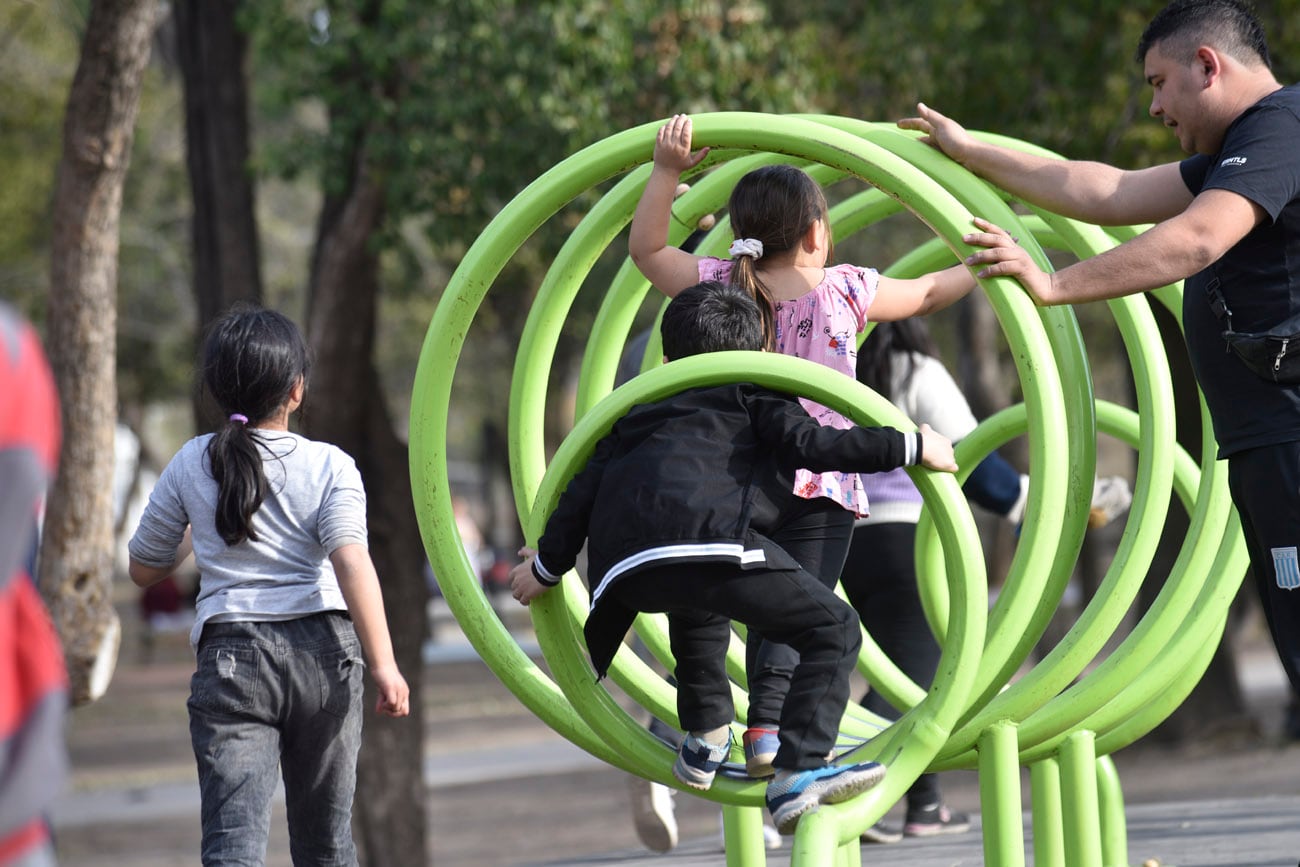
315, 504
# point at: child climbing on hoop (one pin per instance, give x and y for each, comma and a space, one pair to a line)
810, 310
676, 506
288, 602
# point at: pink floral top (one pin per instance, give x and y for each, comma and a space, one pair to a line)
822, 326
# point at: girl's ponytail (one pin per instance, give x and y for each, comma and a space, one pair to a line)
744, 274
252, 359
236, 464
771, 209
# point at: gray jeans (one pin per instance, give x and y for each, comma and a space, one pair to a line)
271, 697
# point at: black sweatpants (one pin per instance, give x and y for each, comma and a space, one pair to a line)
880, 580
1265, 486
791, 607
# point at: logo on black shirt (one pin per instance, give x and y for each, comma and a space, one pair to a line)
1233, 161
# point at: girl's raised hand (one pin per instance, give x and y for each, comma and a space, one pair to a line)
673, 146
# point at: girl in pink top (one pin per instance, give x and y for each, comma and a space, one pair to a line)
813, 311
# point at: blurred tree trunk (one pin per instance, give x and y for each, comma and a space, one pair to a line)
1217, 705
76, 568
226, 256
346, 407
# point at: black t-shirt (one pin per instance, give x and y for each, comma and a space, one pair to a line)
1259, 277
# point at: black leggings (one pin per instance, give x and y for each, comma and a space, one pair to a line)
816, 534
880, 581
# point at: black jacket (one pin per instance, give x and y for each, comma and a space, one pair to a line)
697, 477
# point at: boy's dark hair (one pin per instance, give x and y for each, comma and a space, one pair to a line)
251, 360
1184, 25
890, 343
711, 317
776, 205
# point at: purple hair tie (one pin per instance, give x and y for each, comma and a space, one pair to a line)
239, 417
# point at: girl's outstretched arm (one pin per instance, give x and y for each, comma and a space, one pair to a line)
360, 586
670, 270
898, 299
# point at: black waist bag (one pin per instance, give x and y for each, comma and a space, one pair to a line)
1272, 355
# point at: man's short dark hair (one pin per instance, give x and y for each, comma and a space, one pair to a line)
1185, 25
711, 317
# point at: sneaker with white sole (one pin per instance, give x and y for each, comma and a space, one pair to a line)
793, 793
934, 819
760, 750
653, 814
698, 761
882, 834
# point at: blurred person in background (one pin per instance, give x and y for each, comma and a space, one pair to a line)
33, 679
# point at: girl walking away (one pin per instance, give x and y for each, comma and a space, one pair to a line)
288, 602
900, 360
810, 310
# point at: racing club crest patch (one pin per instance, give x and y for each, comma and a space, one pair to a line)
1287, 568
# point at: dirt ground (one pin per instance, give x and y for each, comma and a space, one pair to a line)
131, 749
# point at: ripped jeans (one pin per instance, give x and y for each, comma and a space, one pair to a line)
271, 697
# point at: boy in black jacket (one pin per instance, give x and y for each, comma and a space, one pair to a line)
675, 504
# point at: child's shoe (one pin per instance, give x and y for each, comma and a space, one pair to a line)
934, 819
698, 761
760, 749
793, 793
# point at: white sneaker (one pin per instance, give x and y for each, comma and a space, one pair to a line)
1111, 498
653, 814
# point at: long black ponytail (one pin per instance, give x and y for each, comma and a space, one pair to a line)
252, 358
890, 343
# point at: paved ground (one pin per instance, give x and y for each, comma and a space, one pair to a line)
505, 790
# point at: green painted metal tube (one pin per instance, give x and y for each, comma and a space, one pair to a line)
1080, 820
1053, 526
969, 715
910, 754
999, 780
742, 834
1136, 549
1114, 825
1049, 843
701, 130
815, 840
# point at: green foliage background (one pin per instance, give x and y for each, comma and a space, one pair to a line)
464, 103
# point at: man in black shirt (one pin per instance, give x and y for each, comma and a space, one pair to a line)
1227, 219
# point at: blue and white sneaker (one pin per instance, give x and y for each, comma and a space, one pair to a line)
698, 761
793, 793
